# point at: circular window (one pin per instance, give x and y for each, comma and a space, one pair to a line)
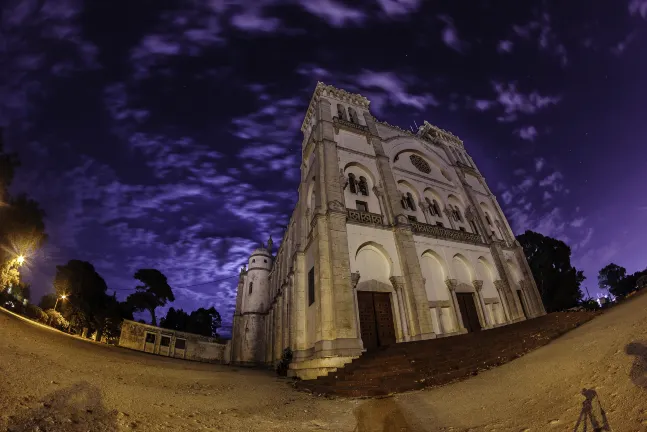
420, 163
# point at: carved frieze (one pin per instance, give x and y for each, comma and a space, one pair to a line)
364, 217
478, 285
445, 233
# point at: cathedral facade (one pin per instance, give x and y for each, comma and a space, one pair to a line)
395, 237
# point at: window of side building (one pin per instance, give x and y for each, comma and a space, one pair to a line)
311, 286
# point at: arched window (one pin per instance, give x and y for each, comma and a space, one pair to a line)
250, 287
341, 112
410, 201
432, 209
487, 218
352, 183
353, 115
473, 225
363, 186
403, 201
437, 207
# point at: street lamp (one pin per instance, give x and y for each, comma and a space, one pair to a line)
20, 259
63, 297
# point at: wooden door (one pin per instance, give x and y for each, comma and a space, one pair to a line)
375, 319
384, 319
367, 324
468, 311
149, 342
523, 305
165, 345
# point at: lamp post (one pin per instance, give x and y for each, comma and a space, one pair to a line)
63, 297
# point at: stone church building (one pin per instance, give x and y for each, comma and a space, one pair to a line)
395, 237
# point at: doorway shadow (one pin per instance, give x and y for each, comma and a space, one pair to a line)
592, 414
382, 415
638, 372
75, 408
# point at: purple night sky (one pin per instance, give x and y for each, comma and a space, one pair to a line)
166, 134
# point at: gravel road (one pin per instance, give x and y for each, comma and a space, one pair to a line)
53, 382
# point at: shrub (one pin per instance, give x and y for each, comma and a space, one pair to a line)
55, 319
36, 313
284, 364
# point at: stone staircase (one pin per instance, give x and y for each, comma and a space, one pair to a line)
415, 365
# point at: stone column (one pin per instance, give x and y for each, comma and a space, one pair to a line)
478, 287
441, 326
425, 211
501, 289
285, 317
398, 286
450, 218
354, 278
384, 209
279, 327
458, 319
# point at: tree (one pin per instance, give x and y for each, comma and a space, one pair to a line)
609, 278
154, 293
56, 319
22, 291
47, 301
550, 262
85, 290
176, 319
204, 322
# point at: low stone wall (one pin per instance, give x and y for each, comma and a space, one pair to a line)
170, 343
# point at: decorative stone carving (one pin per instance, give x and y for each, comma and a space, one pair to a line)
500, 285
243, 269
377, 191
364, 217
452, 284
423, 205
336, 206
354, 279
478, 285
469, 213
343, 180
397, 282
348, 125
445, 233
420, 163
402, 219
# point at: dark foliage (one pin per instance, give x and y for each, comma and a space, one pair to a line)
175, 319
203, 321
284, 364
550, 262
154, 292
609, 278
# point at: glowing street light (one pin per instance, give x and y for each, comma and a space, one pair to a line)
62, 297
20, 260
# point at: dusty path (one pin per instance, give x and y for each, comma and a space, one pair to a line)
54, 382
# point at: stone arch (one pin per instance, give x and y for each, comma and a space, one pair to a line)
369, 174
514, 271
353, 193
435, 271
373, 262
486, 271
402, 143
463, 272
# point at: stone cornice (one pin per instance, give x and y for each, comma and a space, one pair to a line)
429, 179
445, 233
327, 90
433, 133
349, 126
359, 153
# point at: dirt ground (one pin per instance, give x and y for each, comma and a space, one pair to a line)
53, 382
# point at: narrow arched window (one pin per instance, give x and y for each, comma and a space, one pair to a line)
437, 207
432, 210
341, 112
410, 201
458, 215
251, 284
487, 218
404, 202
353, 115
473, 225
352, 183
363, 186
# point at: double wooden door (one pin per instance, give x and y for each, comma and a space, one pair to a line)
375, 319
468, 311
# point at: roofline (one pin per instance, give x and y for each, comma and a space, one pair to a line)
337, 93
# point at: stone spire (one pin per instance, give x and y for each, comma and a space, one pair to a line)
270, 243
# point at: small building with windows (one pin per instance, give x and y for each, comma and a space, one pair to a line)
170, 343
395, 237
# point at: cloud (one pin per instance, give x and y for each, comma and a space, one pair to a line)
334, 13
397, 8
553, 181
526, 133
392, 89
450, 35
621, 46
483, 105
547, 40
539, 164
577, 223
505, 47
638, 7
519, 171
547, 196
513, 102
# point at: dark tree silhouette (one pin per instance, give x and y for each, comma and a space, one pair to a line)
47, 301
154, 293
205, 322
85, 290
550, 262
609, 278
176, 319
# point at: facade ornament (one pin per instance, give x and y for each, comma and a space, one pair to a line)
469, 213
354, 279
397, 282
377, 191
336, 206
402, 219
270, 243
500, 285
243, 269
478, 285
452, 284
423, 205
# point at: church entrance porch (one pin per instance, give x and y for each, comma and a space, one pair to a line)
376, 319
468, 311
